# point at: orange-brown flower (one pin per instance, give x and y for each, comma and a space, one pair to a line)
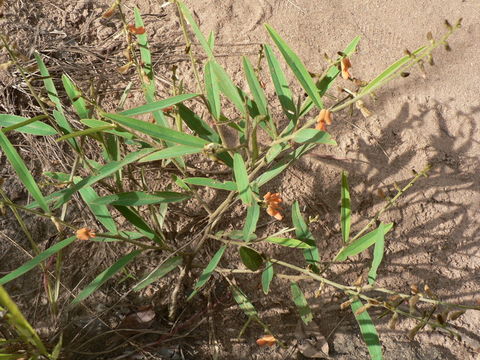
324, 119
266, 340
136, 30
273, 204
346, 65
85, 234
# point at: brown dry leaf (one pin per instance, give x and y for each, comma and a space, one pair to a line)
311, 342
266, 340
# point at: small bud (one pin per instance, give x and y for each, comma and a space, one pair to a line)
393, 321
110, 11
407, 52
362, 309
447, 24
447, 46
458, 25
404, 74
414, 288
428, 291
412, 302
429, 36
347, 303
430, 60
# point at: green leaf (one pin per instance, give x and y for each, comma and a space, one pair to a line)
34, 125
243, 302
392, 69
369, 333
89, 196
208, 271
211, 40
253, 213
104, 276
58, 114
301, 231
138, 198
199, 181
313, 136
293, 243
158, 131
134, 219
75, 97
364, 242
255, 88
147, 69
302, 305
32, 263
377, 259
196, 30
267, 276
89, 131
158, 105
227, 87
251, 258
281, 85
298, 68
241, 178
171, 152
212, 90
118, 130
279, 167
345, 210
22, 172
159, 272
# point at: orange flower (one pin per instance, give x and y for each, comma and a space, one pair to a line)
346, 65
273, 204
136, 30
324, 119
85, 234
266, 340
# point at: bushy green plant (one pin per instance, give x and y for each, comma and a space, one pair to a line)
178, 131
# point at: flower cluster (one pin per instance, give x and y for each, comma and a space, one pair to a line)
85, 234
346, 65
273, 204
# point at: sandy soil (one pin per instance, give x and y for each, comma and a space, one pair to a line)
416, 121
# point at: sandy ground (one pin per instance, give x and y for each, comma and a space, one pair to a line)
416, 121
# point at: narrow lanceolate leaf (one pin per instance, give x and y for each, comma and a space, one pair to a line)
208, 271
301, 231
281, 85
104, 276
253, 213
22, 172
292, 243
75, 97
392, 69
89, 195
158, 105
199, 181
61, 197
377, 259
212, 90
241, 178
267, 276
89, 131
243, 302
345, 210
251, 258
158, 131
31, 264
138, 198
368, 331
159, 272
228, 88
147, 76
137, 221
314, 136
171, 152
298, 68
255, 88
211, 40
24, 125
364, 242
302, 305
196, 30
